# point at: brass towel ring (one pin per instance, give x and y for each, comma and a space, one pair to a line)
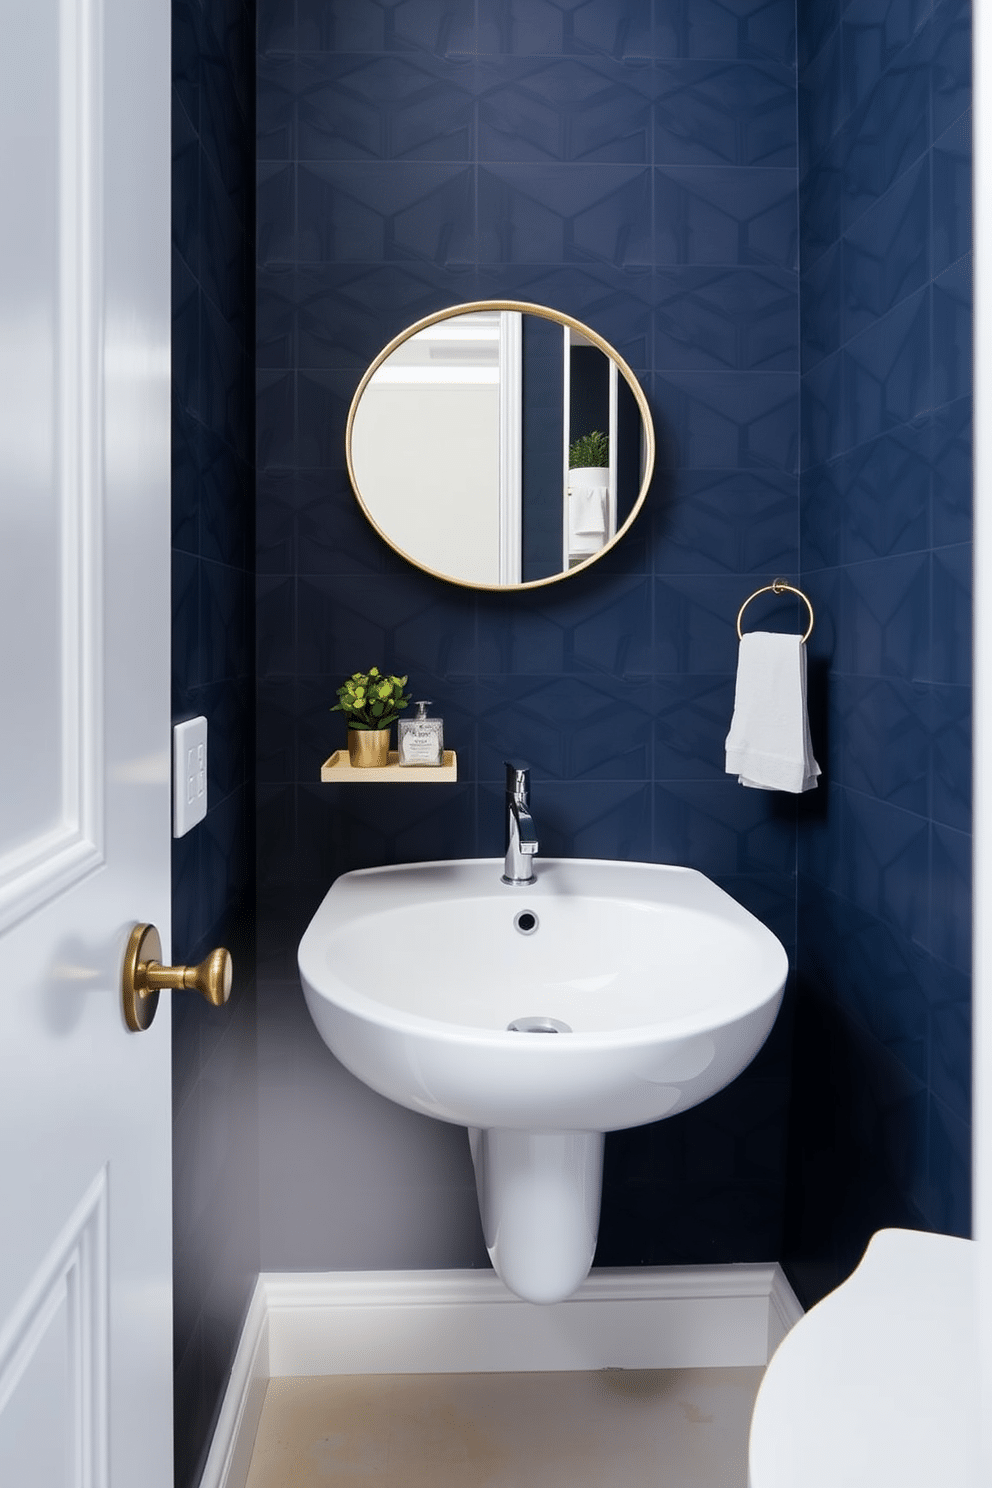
778, 587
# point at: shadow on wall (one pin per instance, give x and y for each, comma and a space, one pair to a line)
866, 1148
852, 1170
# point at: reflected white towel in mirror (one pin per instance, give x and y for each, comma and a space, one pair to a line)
587, 508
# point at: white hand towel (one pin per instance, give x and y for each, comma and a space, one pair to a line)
768, 747
586, 518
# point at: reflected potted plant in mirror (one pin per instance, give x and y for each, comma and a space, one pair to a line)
591, 452
371, 702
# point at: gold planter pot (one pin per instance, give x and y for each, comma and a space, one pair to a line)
368, 748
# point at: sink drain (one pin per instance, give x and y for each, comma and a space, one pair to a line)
537, 1025
526, 922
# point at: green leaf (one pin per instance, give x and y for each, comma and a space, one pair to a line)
371, 700
591, 450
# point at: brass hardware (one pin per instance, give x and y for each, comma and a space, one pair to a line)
368, 749
778, 587
144, 977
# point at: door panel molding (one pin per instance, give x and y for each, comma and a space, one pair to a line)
37, 865
85, 1280
64, 1309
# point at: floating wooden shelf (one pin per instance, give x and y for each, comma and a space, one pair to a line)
338, 770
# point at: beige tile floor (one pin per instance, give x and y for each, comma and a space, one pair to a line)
615, 1428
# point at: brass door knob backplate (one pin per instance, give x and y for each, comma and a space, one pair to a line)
145, 977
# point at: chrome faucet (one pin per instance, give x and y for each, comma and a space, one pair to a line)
521, 838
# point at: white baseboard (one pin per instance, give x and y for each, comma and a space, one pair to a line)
442, 1322
234, 1435
784, 1309
439, 1322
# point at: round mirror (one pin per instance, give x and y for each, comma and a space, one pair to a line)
500, 445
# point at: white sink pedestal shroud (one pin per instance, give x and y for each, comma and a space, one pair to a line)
539, 1196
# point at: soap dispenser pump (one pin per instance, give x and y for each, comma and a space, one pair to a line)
421, 739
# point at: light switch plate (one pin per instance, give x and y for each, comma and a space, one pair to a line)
189, 775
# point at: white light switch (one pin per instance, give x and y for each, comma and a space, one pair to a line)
189, 775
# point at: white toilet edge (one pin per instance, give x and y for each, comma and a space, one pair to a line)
878, 1382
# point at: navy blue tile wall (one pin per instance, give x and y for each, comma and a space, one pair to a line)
214, 1056
880, 1130
635, 165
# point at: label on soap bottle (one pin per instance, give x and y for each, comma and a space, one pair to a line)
420, 749
421, 739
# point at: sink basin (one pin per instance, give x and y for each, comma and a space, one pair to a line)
603, 995
669, 987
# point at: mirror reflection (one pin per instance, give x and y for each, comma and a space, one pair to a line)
500, 445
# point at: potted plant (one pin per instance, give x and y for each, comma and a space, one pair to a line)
592, 451
371, 702
588, 493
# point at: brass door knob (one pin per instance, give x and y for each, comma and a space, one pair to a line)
145, 977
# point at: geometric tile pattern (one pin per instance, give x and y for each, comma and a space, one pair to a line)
880, 1125
215, 1162
634, 165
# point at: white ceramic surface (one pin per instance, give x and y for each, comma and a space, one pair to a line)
878, 1384
669, 985
666, 985
539, 1196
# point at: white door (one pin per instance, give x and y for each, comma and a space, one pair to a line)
85, 1214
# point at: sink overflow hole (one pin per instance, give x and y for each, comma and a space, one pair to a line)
537, 1025
526, 922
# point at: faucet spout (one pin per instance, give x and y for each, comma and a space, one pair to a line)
521, 834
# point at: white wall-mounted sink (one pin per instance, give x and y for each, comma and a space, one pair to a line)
666, 985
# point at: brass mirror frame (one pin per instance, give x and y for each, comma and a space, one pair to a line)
559, 317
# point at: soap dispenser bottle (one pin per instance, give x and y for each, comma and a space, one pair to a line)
421, 739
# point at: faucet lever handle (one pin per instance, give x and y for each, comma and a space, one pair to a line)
517, 780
